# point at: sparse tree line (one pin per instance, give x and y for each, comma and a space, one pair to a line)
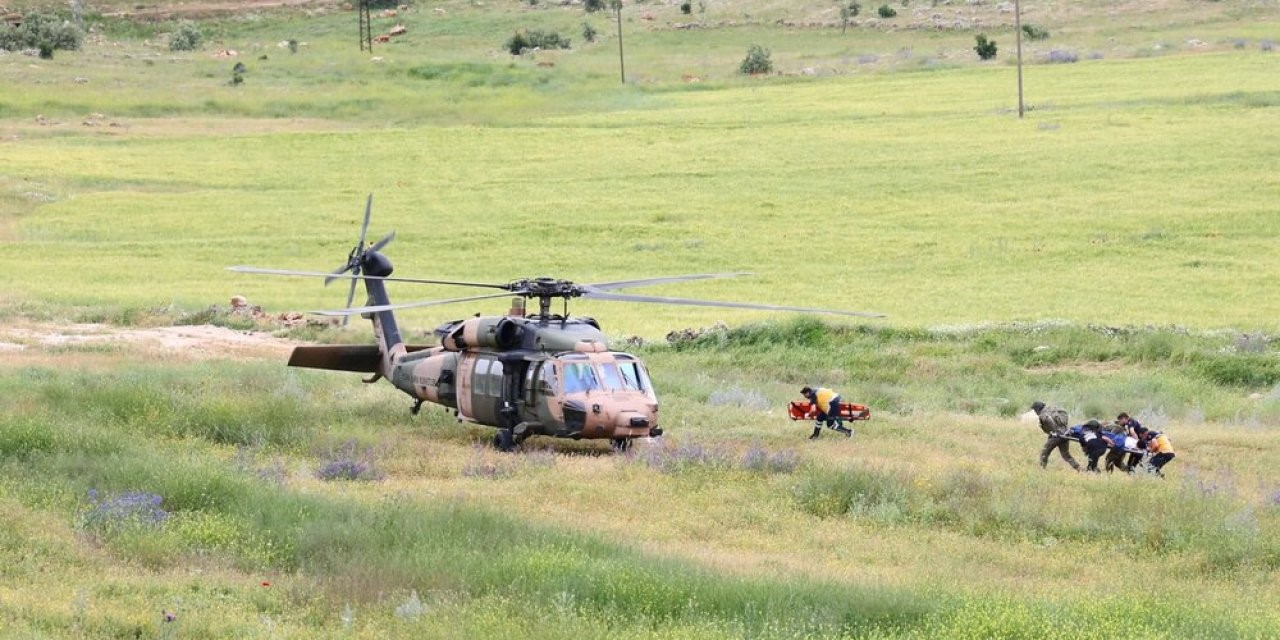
757, 60
42, 32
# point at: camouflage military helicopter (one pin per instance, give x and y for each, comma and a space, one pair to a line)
523, 374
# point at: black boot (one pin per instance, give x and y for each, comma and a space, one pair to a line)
817, 431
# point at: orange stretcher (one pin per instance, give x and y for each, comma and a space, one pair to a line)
800, 410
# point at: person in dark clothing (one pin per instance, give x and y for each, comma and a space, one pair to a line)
827, 403
1123, 437
1093, 444
1053, 422
1135, 431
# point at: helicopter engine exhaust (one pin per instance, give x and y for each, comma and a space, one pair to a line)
482, 333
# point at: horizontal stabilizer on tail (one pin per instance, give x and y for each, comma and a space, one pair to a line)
360, 358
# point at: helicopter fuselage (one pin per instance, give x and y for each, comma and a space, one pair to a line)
532, 376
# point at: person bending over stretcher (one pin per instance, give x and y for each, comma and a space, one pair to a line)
828, 404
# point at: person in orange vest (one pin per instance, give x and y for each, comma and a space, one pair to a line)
828, 404
1162, 451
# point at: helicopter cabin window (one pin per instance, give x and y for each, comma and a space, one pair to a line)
495, 379
488, 377
580, 376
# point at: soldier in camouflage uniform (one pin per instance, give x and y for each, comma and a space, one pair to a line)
1053, 422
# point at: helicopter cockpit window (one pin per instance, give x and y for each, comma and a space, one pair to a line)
580, 376
632, 374
612, 378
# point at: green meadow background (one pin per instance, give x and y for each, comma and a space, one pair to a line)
1115, 249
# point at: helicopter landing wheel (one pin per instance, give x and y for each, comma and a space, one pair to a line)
621, 444
504, 441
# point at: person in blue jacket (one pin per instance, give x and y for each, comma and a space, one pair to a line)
1124, 432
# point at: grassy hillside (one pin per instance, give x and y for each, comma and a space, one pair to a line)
1140, 194
1116, 249
216, 491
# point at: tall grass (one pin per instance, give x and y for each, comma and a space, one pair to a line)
79, 461
1095, 371
1222, 529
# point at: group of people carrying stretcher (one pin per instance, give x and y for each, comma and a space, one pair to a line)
1124, 437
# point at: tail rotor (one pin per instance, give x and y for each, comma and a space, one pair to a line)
355, 260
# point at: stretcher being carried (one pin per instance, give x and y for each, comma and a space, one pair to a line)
802, 410
1130, 444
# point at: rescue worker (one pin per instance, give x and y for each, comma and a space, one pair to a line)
1123, 435
1053, 422
1118, 441
1092, 442
1135, 431
1162, 451
827, 403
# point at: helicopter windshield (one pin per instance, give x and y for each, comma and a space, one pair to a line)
627, 374
623, 376
580, 376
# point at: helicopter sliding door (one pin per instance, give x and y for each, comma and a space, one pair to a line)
486, 389
543, 393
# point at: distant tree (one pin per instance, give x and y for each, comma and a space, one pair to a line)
986, 48
535, 39
186, 37
588, 32
686, 7
1034, 32
886, 11
848, 12
757, 61
43, 31
593, 6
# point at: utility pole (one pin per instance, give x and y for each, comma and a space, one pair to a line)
366, 25
622, 69
1017, 28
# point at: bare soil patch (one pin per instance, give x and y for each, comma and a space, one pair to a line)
36, 341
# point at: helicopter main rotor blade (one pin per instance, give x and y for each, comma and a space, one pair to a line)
340, 275
644, 282
383, 242
405, 305
624, 297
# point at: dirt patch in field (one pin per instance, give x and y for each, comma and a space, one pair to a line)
37, 341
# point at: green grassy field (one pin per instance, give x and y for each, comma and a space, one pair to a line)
1116, 249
